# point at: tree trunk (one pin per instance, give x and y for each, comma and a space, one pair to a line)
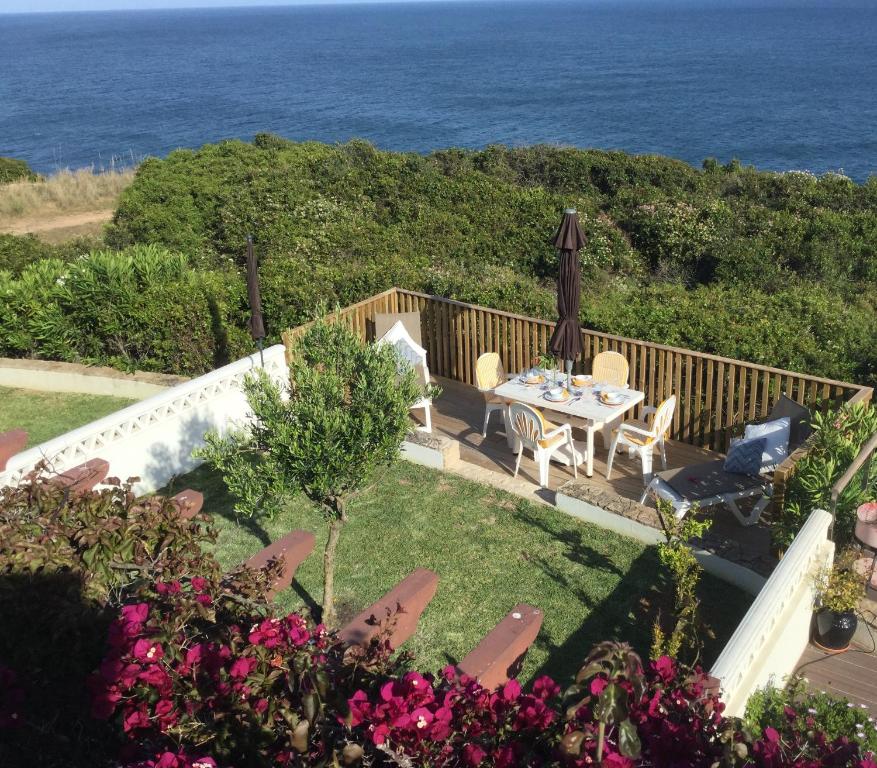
337, 522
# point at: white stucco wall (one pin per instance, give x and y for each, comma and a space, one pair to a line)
154, 439
775, 631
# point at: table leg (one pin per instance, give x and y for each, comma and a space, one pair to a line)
590, 464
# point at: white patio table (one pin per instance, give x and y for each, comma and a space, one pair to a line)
583, 404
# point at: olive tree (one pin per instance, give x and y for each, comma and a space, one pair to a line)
343, 415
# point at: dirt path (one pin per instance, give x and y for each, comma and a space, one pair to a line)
50, 222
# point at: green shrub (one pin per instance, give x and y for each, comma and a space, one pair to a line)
15, 170
839, 435
142, 308
772, 268
799, 710
17, 251
66, 560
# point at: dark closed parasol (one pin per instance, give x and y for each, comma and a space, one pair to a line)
257, 324
566, 341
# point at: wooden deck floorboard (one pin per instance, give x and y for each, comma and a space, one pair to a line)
459, 414
852, 675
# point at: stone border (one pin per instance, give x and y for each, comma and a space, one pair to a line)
54, 376
630, 518
431, 450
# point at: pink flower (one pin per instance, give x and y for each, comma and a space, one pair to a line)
511, 690
666, 669
597, 685
204, 599
167, 587
242, 667
136, 719
199, 583
135, 614
473, 755
147, 651
617, 761
545, 688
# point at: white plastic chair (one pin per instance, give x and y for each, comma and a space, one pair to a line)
414, 355
543, 438
610, 368
641, 439
489, 374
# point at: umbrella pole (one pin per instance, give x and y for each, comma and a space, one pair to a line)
261, 356
569, 374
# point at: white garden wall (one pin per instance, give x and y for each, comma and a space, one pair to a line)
154, 439
774, 632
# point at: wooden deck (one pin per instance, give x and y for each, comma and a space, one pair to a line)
851, 675
459, 413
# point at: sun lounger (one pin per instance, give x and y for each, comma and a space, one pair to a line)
708, 485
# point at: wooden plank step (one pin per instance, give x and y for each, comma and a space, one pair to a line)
83, 477
293, 549
500, 654
188, 502
406, 602
11, 442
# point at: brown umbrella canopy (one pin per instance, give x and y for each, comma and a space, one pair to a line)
566, 341
257, 324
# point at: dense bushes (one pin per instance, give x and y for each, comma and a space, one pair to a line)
773, 268
15, 170
839, 435
141, 308
65, 562
186, 667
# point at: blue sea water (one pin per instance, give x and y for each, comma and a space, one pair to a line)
781, 87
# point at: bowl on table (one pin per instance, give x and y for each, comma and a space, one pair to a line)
611, 398
581, 380
557, 394
534, 378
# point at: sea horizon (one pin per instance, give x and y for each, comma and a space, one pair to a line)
782, 87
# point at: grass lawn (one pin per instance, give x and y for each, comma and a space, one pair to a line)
48, 414
491, 550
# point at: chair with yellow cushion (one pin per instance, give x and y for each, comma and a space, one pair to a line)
540, 436
641, 437
610, 368
489, 374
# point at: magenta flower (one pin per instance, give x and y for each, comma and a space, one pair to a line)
147, 651
242, 667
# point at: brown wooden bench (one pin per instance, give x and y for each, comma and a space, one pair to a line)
82, 477
500, 654
406, 602
11, 442
188, 503
293, 549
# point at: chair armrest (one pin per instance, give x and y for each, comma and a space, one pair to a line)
557, 431
630, 428
649, 409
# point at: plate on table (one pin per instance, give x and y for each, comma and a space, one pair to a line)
560, 397
532, 380
612, 398
582, 380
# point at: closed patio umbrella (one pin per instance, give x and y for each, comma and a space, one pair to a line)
566, 341
257, 324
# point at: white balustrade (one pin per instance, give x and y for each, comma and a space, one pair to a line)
775, 631
154, 438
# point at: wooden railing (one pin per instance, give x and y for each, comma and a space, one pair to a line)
716, 395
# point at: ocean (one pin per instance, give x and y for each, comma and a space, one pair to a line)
780, 87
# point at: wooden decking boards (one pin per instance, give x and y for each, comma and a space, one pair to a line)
852, 674
458, 413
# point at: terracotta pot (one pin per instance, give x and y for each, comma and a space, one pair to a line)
834, 631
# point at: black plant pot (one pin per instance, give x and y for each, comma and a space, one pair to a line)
834, 631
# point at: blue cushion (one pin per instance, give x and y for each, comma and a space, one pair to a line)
744, 456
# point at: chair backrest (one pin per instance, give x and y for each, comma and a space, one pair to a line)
610, 368
664, 416
411, 321
527, 424
489, 371
407, 349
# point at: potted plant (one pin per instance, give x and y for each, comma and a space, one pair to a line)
838, 591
